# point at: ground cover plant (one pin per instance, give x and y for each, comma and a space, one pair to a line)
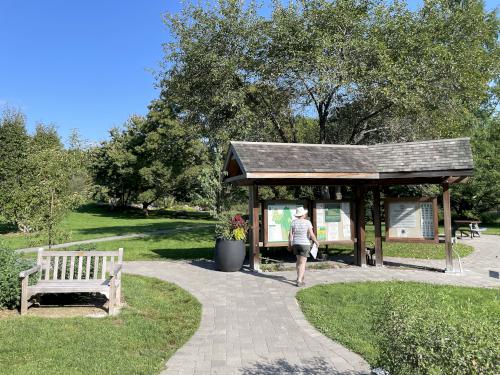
11, 264
158, 319
95, 221
410, 328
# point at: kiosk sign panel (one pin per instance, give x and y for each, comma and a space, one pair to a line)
279, 218
333, 221
411, 219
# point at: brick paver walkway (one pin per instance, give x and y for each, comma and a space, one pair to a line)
252, 324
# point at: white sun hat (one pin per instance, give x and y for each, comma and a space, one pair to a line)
300, 212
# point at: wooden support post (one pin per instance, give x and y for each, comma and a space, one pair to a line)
253, 210
447, 228
360, 248
379, 258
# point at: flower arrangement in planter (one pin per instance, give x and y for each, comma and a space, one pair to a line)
230, 234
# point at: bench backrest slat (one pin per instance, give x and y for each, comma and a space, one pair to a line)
80, 267
79, 253
72, 267
55, 264
87, 268
64, 267
103, 270
96, 268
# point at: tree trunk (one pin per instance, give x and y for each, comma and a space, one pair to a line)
145, 206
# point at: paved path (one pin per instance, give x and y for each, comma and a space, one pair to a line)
252, 325
111, 238
484, 261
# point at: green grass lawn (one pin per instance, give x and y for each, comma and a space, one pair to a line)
196, 243
491, 228
345, 312
405, 250
94, 221
159, 319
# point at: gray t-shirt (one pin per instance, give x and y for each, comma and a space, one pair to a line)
300, 228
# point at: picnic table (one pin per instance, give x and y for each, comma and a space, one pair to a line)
468, 227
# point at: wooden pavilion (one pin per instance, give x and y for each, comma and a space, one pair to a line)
363, 168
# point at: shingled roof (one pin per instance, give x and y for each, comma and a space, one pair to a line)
258, 162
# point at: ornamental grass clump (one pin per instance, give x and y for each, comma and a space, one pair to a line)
234, 228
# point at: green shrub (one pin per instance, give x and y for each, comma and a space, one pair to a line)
492, 217
10, 288
419, 336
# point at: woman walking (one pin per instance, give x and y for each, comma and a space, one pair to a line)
299, 239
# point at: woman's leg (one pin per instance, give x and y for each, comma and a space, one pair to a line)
302, 268
297, 266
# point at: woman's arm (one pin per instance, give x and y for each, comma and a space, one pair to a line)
313, 237
290, 237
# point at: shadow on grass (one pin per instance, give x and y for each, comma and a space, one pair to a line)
187, 254
138, 228
6, 228
136, 213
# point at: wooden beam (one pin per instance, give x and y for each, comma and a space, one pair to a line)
312, 175
435, 173
359, 251
379, 261
253, 210
447, 228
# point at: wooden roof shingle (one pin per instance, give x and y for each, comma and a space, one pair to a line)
260, 160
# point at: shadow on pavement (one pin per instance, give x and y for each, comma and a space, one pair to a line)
412, 266
314, 366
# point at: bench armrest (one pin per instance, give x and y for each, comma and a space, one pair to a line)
26, 273
115, 270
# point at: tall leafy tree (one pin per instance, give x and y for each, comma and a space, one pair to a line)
14, 144
481, 193
365, 70
152, 157
40, 180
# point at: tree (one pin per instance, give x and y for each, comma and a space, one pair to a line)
40, 181
14, 142
48, 191
481, 193
368, 71
151, 158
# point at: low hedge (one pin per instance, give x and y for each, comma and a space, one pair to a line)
10, 288
423, 332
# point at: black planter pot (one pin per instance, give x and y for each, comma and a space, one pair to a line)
229, 255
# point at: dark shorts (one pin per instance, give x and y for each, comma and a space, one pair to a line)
302, 250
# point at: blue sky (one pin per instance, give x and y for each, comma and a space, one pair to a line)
83, 64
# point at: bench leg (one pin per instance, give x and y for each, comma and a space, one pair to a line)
118, 299
24, 296
112, 297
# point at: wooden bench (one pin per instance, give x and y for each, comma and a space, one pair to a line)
75, 272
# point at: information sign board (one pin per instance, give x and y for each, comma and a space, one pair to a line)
278, 216
411, 219
332, 221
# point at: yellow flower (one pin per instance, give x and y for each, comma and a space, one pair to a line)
239, 234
